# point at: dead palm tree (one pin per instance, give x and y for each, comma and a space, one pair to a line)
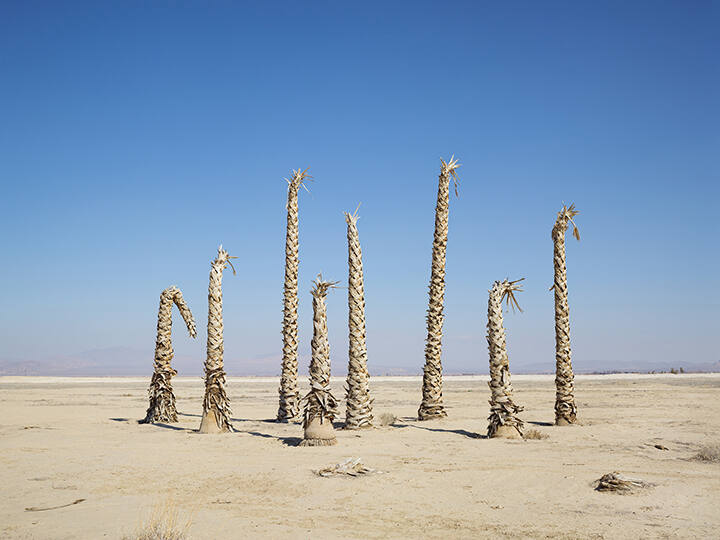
432, 402
565, 408
503, 420
320, 405
162, 399
359, 404
216, 407
289, 408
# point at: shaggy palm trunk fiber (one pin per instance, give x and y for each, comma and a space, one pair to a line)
289, 408
432, 399
503, 420
359, 405
162, 399
216, 407
320, 405
565, 408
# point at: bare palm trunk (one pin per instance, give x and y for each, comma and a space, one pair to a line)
359, 404
503, 420
320, 405
162, 399
216, 407
289, 408
432, 400
565, 408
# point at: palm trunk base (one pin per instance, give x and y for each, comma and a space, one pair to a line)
431, 412
211, 423
319, 432
162, 407
506, 432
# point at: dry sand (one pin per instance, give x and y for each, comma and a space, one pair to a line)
68, 439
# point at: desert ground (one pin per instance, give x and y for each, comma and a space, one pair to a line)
64, 439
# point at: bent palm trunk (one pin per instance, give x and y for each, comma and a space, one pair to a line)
162, 399
216, 407
320, 405
565, 408
503, 420
432, 400
359, 404
289, 408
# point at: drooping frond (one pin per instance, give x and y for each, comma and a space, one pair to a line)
509, 288
565, 217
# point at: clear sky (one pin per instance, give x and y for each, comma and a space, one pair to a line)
137, 136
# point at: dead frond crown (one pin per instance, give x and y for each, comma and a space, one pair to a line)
321, 287
565, 217
297, 179
449, 169
352, 218
509, 288
223, 259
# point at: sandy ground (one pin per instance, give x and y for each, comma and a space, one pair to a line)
68, 439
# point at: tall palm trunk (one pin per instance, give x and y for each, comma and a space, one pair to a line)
216, 407
162, 399
289, 408
432, 401
565, 408
503, 421
359, 404
320, 405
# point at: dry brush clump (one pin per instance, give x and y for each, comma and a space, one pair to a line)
503, 420
709, 453
359, 404
320, 404
565, 408
387, 419
162, 399
164, 523
289, 407
534, 434
216, 406
432, 398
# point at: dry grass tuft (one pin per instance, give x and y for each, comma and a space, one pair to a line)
387, 419
709, 454
535, 434
163, 524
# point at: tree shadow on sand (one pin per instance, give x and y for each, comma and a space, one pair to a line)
462, 432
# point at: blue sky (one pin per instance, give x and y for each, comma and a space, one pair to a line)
135, 137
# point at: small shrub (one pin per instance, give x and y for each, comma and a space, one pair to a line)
535, 434
387, 419
163, 524
709, 454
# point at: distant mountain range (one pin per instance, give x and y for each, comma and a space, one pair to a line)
126, 361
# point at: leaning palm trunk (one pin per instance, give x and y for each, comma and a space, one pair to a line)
162, 399
565, 409
503, 421
432, 401
359, 405
320, 405
216, 407
289, 391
